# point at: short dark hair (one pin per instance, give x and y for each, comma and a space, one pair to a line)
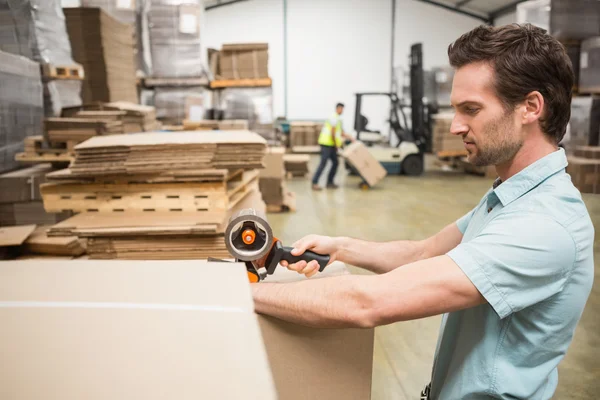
525, 59
339, 105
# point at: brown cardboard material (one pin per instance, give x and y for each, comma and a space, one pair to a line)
15, 235
309, 363
23, 185
129, 330
367, 166
274, 165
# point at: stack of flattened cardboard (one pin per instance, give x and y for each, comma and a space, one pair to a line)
105, 48
77, 130
134, 117
442, 139
20, 199
223, 125
11, 238
39, 243
296, 164
244, 61
304, 134
272, 183
155, 152
584, 168
153, 208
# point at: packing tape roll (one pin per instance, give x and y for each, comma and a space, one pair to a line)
235, 223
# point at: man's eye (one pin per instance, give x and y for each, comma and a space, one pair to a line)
470, 110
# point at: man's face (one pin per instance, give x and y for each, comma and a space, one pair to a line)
339, 110
491, 134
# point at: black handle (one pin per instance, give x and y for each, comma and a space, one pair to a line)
307, 256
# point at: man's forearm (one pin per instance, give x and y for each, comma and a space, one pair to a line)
337, 302
379, 257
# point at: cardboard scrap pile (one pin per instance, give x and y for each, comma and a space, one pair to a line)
584, 168
20, 198
106, 49
243, 61
296, 164
304, 134
157, 195
442, 139
272, 183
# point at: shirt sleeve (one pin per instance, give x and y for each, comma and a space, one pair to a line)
517, 260
463, 222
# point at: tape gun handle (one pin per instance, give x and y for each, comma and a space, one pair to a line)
307, 256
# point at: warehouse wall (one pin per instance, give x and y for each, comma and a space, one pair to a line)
336, 47
506, 19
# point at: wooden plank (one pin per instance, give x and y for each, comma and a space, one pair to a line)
63, 72
228, 83
44, 158
15, 235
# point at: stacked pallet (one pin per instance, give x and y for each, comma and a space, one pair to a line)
584, 168
134, 117
296, 165
105, 48
272, 183
36, 150
161, 196
445, 144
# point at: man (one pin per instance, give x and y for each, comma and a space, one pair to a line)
512, 276
330, 140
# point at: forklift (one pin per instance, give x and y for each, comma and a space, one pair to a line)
407, 156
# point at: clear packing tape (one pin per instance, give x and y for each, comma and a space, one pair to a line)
36, 29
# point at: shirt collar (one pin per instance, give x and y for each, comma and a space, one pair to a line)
531, 176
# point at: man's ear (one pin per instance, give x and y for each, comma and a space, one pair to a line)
533, 107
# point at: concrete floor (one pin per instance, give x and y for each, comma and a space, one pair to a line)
415, 208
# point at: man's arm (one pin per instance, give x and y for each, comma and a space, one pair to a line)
420, 289
376, 257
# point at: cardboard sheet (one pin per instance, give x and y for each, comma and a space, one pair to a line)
15, 235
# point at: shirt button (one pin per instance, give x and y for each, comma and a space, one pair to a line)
490, 209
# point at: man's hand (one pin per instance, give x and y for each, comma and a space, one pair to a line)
318, 244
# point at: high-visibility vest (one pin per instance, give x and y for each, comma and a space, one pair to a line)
326, 138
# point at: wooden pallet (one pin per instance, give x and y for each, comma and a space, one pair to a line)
67, 72
151, 82
227, 83
149, 197
43, 158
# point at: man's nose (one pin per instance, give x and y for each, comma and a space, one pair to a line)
458, 127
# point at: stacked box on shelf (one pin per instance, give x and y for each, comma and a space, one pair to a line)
157, 195
584, 168
304, 134
244, 61
442, 139
296, 164
272, 182
36, 29
20, 199
171, 102
21, 106
105, 48
172, 29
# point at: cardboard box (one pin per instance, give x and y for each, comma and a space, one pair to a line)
274, 165
244, 61
309, 363
272, 190
130, 330
363, 161
24, 184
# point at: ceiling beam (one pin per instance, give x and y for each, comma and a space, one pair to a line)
222, 4
457, 10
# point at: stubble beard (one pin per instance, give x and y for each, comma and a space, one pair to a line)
501, 144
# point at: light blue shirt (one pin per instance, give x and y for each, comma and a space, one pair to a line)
528, 248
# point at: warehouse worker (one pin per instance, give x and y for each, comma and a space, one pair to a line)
512, 276
330, 140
